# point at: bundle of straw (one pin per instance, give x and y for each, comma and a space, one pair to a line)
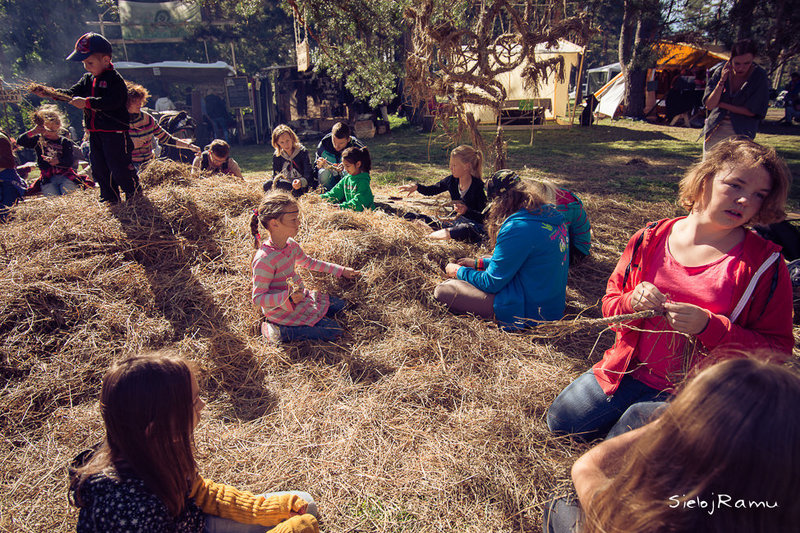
46, 91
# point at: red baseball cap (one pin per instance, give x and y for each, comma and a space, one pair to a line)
88, 44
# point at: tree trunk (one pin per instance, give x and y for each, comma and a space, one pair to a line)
742, 16
635, 86
638, 35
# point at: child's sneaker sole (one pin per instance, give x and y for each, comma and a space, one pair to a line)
270, 332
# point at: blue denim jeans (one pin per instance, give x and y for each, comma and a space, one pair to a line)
215, 524
584, 410
58, 185
326, 329
328, 178
561, 515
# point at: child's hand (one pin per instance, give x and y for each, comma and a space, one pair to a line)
194, 148
686, 318
322, 162
349, 273
466, 262
410, 188
452, 270
338, 166
460, 207
78, 102
297, 296
647, 296
296, 184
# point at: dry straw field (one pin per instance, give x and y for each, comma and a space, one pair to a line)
415, 420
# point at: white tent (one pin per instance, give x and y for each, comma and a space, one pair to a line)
610, 96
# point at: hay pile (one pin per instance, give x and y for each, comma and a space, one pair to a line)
415, 420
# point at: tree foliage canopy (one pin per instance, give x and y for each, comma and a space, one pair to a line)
358, 41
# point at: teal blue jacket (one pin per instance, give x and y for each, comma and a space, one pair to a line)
527, 272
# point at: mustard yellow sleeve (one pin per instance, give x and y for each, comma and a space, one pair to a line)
244, 507
297, 524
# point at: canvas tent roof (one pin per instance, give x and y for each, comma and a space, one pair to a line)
178, 70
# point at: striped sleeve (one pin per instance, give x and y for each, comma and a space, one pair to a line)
301, 259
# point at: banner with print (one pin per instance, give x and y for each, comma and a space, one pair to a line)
156, 19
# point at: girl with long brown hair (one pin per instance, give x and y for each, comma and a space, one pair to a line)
144, 477
525, 279
721, 458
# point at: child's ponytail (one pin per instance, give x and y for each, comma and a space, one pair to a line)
254, 229
354, 155
471, 157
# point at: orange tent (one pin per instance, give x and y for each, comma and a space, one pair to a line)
672, 56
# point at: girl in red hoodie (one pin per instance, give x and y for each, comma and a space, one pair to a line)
716, 287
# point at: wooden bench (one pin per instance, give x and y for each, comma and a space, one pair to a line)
523, 112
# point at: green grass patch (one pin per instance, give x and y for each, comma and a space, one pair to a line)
629, 159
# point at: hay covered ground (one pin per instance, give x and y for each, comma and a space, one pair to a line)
416, 420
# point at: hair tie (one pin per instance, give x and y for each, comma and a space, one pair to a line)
255, 211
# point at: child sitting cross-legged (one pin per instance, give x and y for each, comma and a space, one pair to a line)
54, 154
291, 168
291, 311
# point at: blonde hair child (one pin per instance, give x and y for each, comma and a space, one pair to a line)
54, 153
465, 186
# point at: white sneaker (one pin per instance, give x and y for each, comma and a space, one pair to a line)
271, 332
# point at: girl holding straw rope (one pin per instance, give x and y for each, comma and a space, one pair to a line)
721, 458
291, 311
144, 478
525, 280
713, 283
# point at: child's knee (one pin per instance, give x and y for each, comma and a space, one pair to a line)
445, 292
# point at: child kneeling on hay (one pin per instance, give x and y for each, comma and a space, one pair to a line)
525, 279
353, 190
291, 311
216, 159
144, 477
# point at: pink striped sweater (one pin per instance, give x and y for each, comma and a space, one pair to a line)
272, 269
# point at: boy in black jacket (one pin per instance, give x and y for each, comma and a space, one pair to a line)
103, 96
